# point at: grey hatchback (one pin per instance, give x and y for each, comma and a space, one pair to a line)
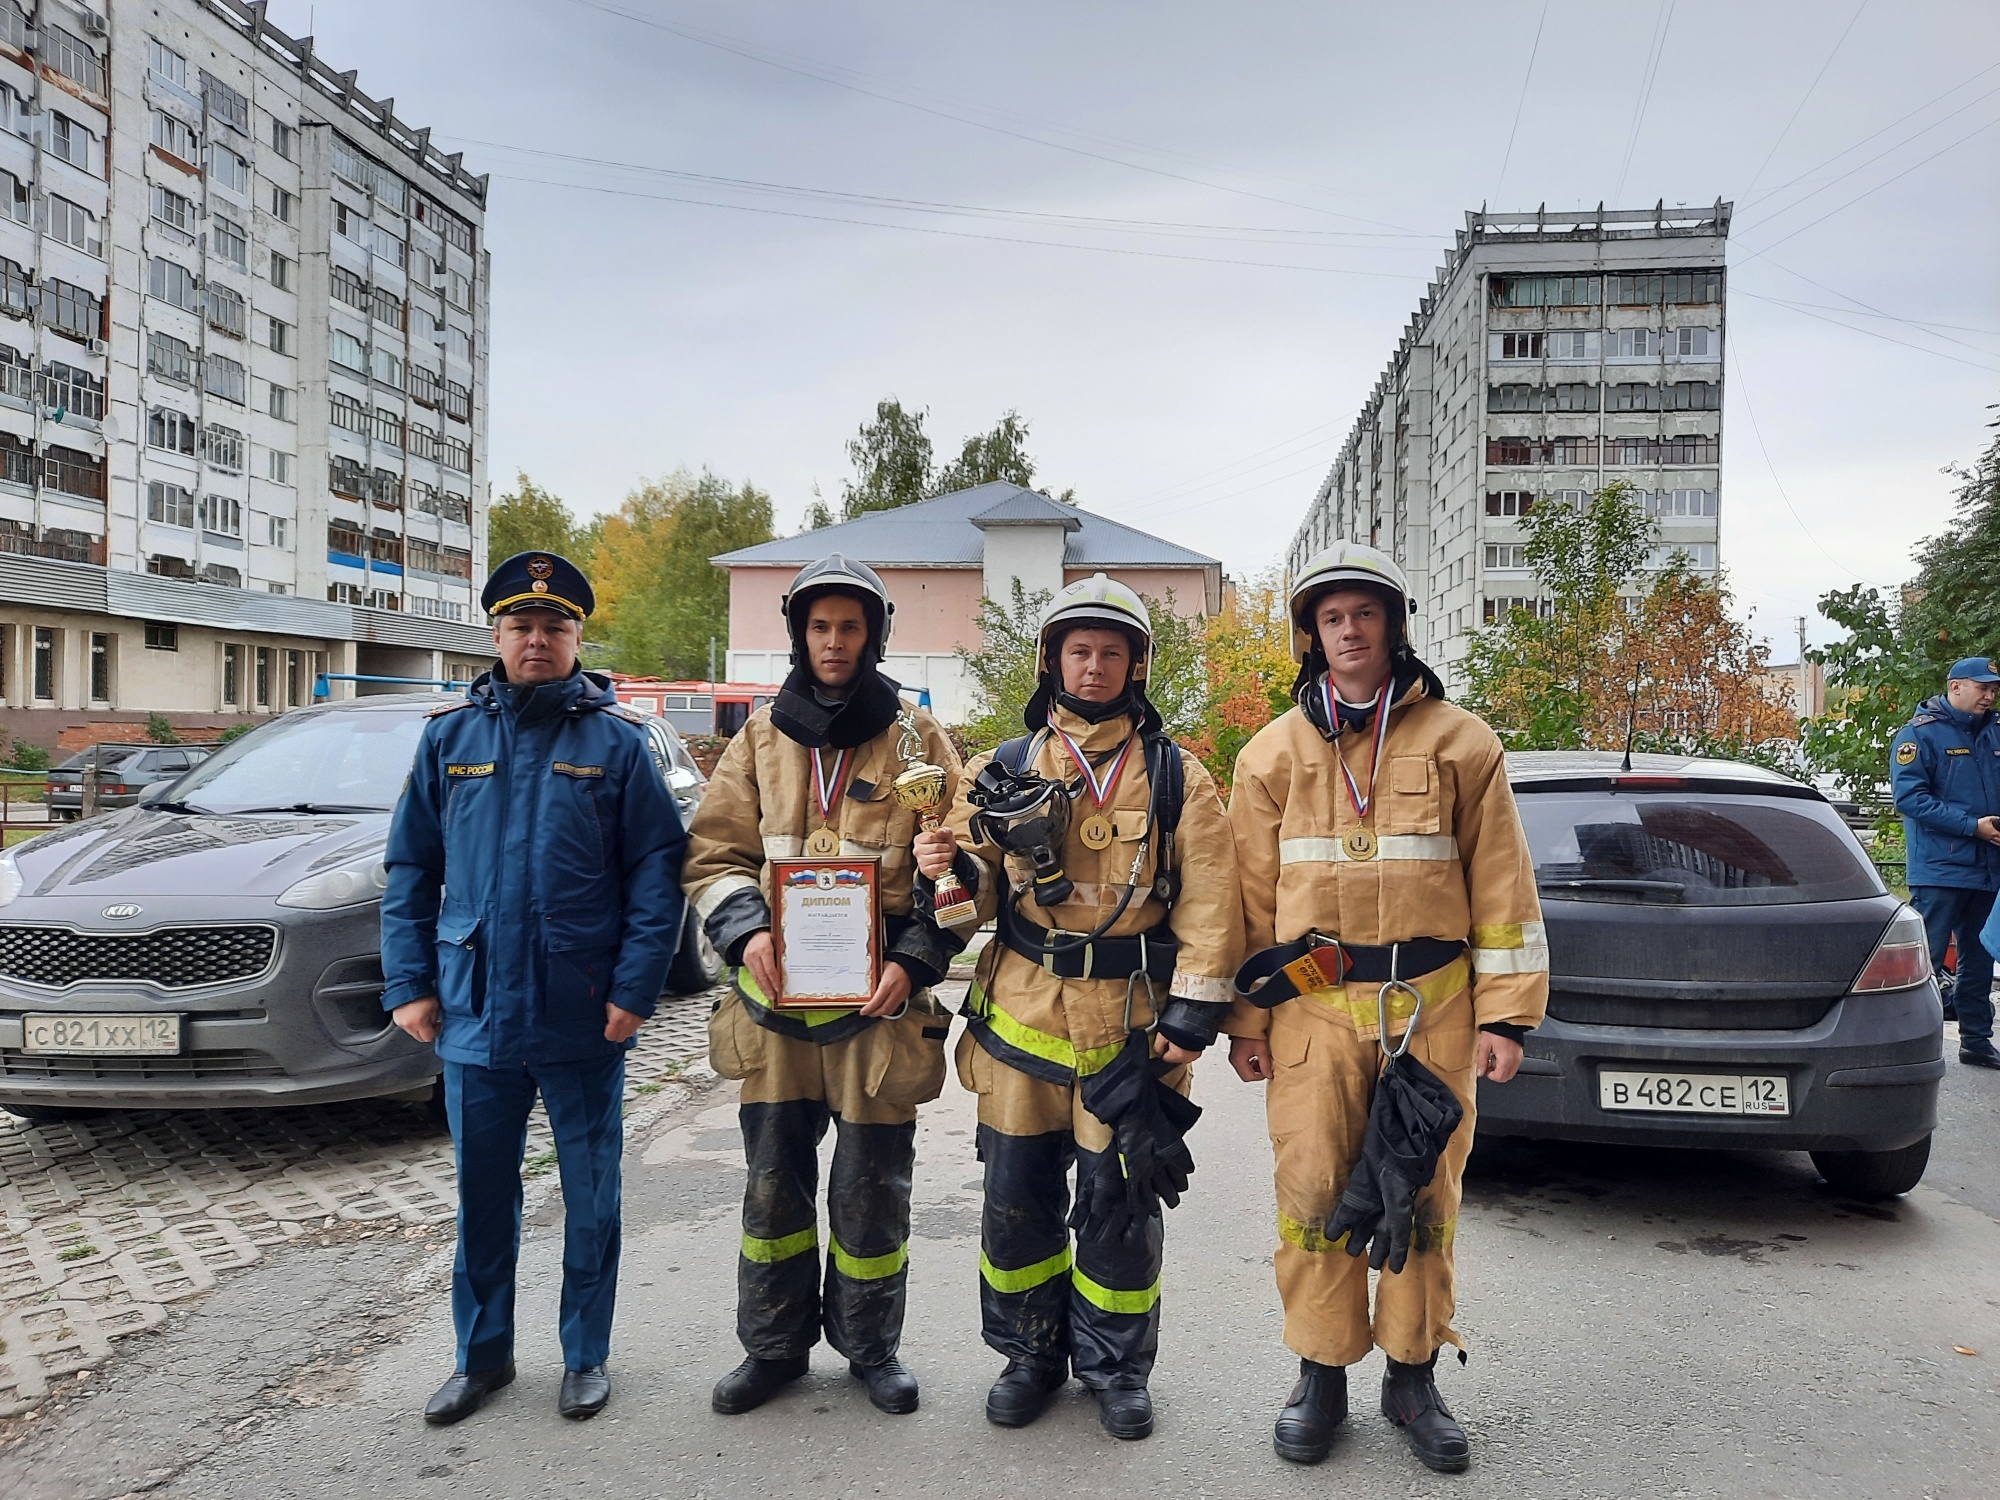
1727, 970
125, 774
219, 944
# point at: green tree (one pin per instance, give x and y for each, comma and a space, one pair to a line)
530, 519
987, 456
160, 731
660, 600
892, 462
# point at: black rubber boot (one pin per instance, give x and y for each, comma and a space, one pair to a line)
754, 1382
1126, 1412
1022, 1392
1410, 1399
1317, 1405
891, 1386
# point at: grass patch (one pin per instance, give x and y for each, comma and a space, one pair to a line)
540, 1164
647, 1088
77, 1252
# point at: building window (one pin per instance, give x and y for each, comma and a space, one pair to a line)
14, 197
346, 477
166, 63
71, 56
72, 472
386, 368
74, 226
100, 668
278, 401
70, 309
223, 447
227, 311
385, 547
176, 138
174, 431
279, 466
1510, 502
1506, 555
1692, 395
1563, 451
281, 272
388, 427
385, 307
169, 504
17, 374
15, 294
262, 679
458, 344
280, 531
344, 541
174, 211
283, 204
1496, 610
232, 675
231, 243
227, 169
278, 335
423, 441
225, 378
284, 139
1697, 555
385, 488
343, 593
1545, 291
1631, 343
459, 291
457, 508
72, 392
169, 358
457, 401
1513, 398
384, 599
387, 246
1677, 503
45, 664
293, 673
423, 556
1573, 396
349, 288
1694, 343
1520, 346
175, 283
225, 104
349, 414
425, 386
69, 141
161, 637
348, 352
1632, 396
454, 454
162, 566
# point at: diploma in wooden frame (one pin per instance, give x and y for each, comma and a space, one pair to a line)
826, 925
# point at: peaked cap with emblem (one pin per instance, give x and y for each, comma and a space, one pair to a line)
537, 580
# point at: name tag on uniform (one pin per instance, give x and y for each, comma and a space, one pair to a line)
1957, 750
564, 768
484, 768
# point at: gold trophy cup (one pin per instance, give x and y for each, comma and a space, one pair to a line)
921, 789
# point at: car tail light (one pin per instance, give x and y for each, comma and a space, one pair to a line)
49, 789
116, 790
1901, 960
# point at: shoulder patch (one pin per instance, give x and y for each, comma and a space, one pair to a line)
1906, 752
1921, 719
449, 708
620, 711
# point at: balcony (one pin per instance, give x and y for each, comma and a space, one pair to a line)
67, 546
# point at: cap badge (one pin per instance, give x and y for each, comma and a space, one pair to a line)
540, 568
539, 586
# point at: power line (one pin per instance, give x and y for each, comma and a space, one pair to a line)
1801, 308
823, 74
1654, 57
1236, 469
1868, 309
1806, 98
1526, 78
960, 234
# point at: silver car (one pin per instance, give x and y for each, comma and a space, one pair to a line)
219, 944
125, 774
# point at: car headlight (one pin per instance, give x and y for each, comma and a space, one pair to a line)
10, 878
348, 884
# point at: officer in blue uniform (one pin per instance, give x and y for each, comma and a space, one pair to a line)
532, 912
1944, 768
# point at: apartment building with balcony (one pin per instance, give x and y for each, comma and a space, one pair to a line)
1553, 354
243, 372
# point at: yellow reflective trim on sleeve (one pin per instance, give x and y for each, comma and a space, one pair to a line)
1308, 1237
868, 1267
769, 1252
1042, 1044
1509, 934
1113, 1301
1028, 1277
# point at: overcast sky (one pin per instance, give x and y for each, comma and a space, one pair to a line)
1295, 172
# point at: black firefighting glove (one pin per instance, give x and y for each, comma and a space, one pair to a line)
1192, 1023
1410, 1119
1148, 1164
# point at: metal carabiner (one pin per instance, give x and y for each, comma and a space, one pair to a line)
1382, 1016
1152, 1001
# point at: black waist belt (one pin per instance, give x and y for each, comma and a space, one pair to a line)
1319, 963
1106, 958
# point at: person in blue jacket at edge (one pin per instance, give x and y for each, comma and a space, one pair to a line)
1944, 769
532, 911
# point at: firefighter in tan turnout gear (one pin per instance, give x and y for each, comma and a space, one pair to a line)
812, 775
1108, 976
1378, 841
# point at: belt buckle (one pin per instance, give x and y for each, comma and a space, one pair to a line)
1327, 959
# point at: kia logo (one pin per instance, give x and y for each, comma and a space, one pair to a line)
123, 910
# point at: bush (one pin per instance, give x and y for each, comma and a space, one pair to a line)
159, 731
28, 757
234, 732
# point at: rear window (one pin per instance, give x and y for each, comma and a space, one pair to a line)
1701, 849
107, 757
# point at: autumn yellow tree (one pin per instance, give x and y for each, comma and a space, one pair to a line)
1247, 658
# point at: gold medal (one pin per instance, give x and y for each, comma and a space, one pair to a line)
1096, 832
1359, 843
823, 844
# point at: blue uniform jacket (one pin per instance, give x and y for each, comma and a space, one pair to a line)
1944, 770
534, 873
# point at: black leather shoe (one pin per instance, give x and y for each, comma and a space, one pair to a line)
1317, 1405
584, 1393
1022, 1392
891, 1386
1126, 1412
1410, 1399
459, 1397
1979, 1053
754, 1382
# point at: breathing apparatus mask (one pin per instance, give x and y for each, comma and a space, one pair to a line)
1028, 816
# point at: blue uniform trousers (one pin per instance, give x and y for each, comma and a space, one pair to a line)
488, 1109
1950, 910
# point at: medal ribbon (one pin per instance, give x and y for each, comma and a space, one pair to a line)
1355, 795
828, 792
1101, 787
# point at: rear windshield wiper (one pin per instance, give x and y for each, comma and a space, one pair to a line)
1592, 883
306, 807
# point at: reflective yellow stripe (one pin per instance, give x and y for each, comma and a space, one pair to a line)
1358, 1001
1028, 1277
1498, 935
747, 983
868, 1267
1042, 1044
1435, 1236
1113, 1301
768, 1252
1308, 1237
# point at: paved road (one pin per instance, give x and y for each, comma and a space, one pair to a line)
1642, 1323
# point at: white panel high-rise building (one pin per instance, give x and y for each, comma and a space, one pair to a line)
1553, 354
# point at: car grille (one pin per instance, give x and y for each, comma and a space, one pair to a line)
174, 958
192, 1065
1778, 1014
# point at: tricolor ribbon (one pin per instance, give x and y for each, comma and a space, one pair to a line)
1354, 794
1100, 786
828, 791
